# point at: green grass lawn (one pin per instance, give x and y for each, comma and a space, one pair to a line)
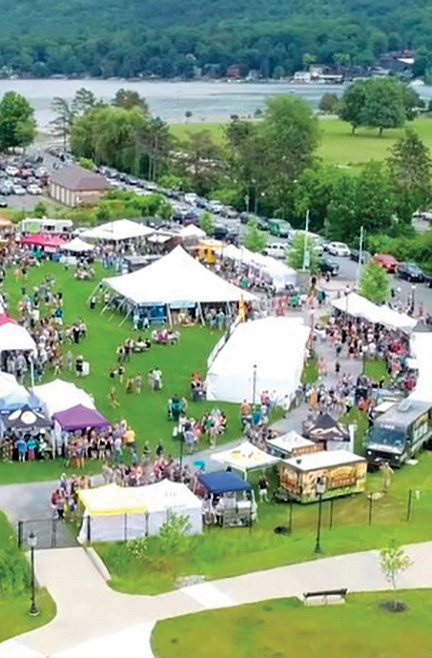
228, 552
146, 412
285, 627
338, 145
15, 590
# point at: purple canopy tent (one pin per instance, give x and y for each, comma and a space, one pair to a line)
80, 417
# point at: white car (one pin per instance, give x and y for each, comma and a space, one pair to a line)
12, 171
338, 249
276, 250
19, 190
191, 197
216, 207
34, 189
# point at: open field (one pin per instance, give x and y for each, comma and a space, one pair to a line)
338, 145
285, 627
145, 412
15, 594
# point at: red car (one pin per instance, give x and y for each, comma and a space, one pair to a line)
389, 263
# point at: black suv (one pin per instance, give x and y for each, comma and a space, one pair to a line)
327, 265
410, 272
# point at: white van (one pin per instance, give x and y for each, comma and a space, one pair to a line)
276, 250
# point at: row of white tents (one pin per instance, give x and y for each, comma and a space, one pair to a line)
360, 307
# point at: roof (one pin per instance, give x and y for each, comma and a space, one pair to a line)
59, 395
323, 459
403, 413
43, 240
78, 179
326, 428
359, 306
26, 418
223, 482
15, 337
80, 417
176, 279
245, 457
290, 441
77, 246
121, 229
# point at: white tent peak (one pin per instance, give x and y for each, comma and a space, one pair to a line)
175, 279
77, 245
121, 229
59, 395
192, 231
245, 457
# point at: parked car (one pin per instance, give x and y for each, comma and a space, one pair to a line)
276, 250
215, 206
262, 223
19, 190
191, 197
230, 213
279, 227
427, 278
355, 255
328, 266
338, 249
389, 263
3, 202
219, 232
410, 272
11, 170
34, 189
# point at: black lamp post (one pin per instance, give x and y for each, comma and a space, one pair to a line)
32, 542
181, 452
319, 490
413, 290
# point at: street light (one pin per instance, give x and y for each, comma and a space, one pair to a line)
254, 384
32, 542
320, 488
413, 289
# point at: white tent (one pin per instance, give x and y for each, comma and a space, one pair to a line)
122, 229
421, 348
12, 394
360, 307
114, 513
245, 457
270, 351
176, 280
192, 231
280, 274
15, 337
77, 246
59, 395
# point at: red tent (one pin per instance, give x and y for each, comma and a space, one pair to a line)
4, 318
42, 240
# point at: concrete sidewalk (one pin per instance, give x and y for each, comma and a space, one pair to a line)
93, 621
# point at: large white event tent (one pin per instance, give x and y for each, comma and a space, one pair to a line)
15, 337
176, 280
114, 513
192, 231
360, 307
121, 229
266, 354
59, 395
245, 457
77, 246
280, 274
421, 349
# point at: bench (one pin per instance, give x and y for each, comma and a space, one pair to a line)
325, 594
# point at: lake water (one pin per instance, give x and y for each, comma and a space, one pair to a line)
208, 101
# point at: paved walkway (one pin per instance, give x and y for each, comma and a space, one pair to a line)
93, 621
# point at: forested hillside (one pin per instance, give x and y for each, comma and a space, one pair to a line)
168, 37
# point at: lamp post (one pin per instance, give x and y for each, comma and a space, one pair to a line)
181, 453
254, 384
319, 490
413, 290
364, 354
32, 542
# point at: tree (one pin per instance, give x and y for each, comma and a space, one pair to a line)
17, 124
410, 167
87, 163
253, 238
83, 101
374, 199
200, 160
341, 221
296, 252
127, 99
384, 105
313, 192
328, 103
61, 125
374, 283
393, 562
206, 223
351, 104
40, 209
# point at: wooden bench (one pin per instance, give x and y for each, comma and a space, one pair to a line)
325, 594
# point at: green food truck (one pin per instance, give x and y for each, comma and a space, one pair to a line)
400, 433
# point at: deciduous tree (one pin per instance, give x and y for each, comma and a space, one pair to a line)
374, 283
17, 124
254, 239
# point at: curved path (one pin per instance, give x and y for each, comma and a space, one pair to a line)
93, 621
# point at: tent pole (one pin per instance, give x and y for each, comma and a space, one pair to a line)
99, 285
117, 309
169, 315
32, 372
201, 313
125, 317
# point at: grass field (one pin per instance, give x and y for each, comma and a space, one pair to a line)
147, 412
14, 606
338, 145
228, 552
285, 627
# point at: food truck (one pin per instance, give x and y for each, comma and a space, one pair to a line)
342, 473
399, 433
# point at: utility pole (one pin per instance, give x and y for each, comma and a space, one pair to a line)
359, 266
306, 255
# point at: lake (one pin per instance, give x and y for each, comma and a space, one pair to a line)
208, 101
